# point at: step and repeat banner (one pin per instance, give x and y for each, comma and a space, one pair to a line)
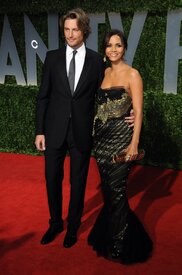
35, 46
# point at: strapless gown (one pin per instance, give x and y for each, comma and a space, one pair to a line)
117, 233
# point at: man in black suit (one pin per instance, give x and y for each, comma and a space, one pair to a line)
64, 121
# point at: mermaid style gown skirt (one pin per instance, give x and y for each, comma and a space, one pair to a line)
117, 233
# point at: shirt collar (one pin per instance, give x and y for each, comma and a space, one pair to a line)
81, 50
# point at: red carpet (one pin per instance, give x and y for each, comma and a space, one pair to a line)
155, 194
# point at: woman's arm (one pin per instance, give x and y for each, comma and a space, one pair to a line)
136, 90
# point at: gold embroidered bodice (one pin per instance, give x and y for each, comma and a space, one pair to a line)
112, 103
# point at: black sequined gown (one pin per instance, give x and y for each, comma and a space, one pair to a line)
117, 233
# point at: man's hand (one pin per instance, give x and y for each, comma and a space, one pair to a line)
130, 119
40, 142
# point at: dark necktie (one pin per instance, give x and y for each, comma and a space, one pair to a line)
71, 73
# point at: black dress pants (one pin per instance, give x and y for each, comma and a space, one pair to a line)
54, 172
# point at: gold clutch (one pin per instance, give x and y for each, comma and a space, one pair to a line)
121, 158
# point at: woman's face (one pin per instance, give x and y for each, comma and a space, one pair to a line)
115, 49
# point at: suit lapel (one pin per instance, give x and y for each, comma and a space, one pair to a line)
63, 71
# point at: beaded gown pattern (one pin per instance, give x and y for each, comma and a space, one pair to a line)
117, 232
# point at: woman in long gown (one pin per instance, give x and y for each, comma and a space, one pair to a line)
117, 233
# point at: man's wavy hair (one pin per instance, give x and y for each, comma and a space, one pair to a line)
82, 21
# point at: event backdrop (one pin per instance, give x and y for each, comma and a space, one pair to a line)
29, 28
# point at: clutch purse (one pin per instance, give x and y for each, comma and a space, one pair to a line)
121, 158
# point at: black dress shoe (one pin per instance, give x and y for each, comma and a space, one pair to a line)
51, 234
70, 239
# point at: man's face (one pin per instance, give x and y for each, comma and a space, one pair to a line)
73, 35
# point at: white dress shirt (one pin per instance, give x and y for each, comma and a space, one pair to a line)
79, 61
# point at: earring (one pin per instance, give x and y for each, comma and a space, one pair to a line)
104, 59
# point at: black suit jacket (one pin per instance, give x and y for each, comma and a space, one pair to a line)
55, 103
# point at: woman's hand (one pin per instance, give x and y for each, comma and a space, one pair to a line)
130, 119
131, 152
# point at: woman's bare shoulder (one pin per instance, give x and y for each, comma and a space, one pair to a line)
107, 70
134, 73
